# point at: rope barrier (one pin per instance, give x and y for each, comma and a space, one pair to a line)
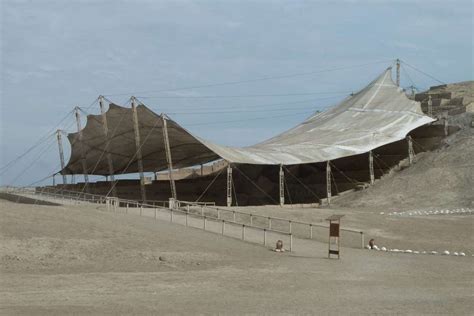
335, 183
254, 80
353, 181
422, 72
210, 184
256, 185
104, 150
35, 160
304, 185
238, 96
287, 190
39, 142
136, 152
235, 193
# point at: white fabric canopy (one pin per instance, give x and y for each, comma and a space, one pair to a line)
377, 115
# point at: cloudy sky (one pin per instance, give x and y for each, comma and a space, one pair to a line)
56, 55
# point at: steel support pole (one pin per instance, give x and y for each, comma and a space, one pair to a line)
138, 148
229, 185
61, 153
107, 144
282, 186
83, 154
430, 106
411, 152
328, 182
371, 167
398, 72
446, 126
168, 157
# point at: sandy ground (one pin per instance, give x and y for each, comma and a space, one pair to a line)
78, 259
452, 232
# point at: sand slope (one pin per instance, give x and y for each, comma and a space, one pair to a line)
442, 178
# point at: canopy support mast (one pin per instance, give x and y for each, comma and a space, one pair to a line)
328, 182
108, 156
371, 167
430, 106
229, 185
411, 152
282, 186
139, 150
61, 153
83, 154
398, 72
168, 157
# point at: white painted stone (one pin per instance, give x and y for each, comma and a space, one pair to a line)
446, 253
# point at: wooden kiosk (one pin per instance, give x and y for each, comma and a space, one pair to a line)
334, 235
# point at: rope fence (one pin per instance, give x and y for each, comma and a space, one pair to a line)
217, 218
315, 231
162, 210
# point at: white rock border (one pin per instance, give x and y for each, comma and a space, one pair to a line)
420, 252
425, 212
